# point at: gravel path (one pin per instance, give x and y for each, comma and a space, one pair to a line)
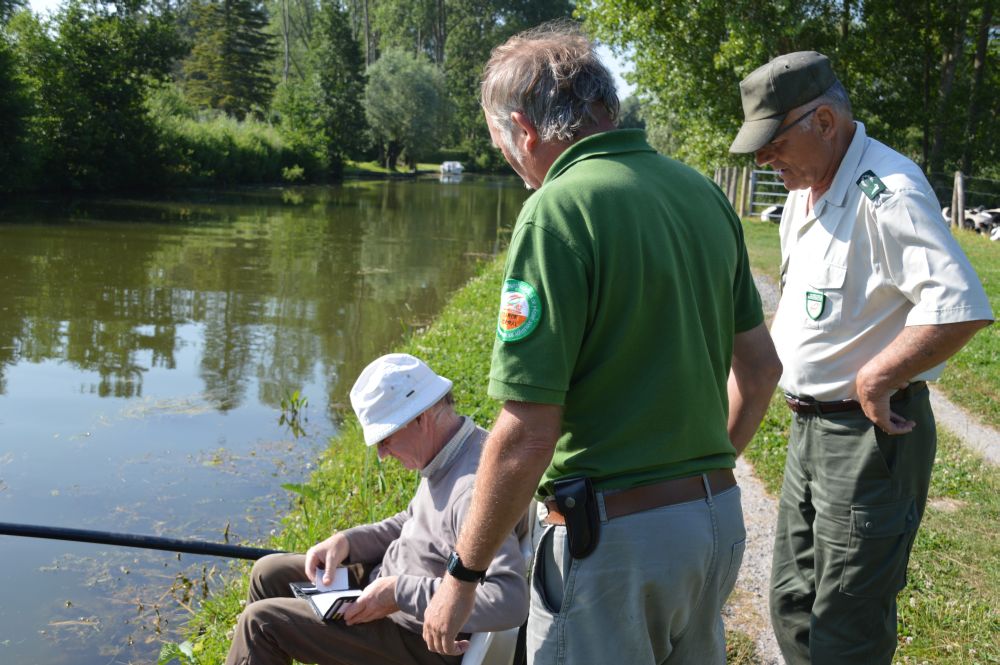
747, 609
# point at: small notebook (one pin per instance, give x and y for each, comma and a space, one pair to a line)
328, 601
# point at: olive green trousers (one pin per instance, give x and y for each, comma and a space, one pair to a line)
850, 505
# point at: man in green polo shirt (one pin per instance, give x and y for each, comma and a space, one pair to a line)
630, 352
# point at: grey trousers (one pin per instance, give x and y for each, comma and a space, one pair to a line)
650, 593
851, 501
276, 627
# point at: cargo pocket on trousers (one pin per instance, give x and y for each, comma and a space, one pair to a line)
735, 561
879, 548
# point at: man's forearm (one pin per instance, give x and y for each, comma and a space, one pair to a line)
515, 455
915, 350
755, 372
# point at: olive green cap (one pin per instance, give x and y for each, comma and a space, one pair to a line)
774, 89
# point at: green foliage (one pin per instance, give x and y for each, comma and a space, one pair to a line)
87, 73
630, 114
9, 7
229, 66
911, 70
342, 83
14, 111
293, 406
322, 110
406, 106
220, 150
475, 28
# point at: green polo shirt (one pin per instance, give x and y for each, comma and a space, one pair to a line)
626, 279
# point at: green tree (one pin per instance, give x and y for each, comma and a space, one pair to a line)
8, 7
230, 64
406, 105
325, 109
475, 28
922, 76
88, 72
14, 110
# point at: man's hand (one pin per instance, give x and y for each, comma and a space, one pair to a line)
449, 610
377, 602
874, 400
916, 349
327, 555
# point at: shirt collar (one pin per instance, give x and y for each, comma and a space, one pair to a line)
842, 182
614, 142
450, 451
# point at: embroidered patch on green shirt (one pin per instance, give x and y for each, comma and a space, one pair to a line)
871, 185
520, 311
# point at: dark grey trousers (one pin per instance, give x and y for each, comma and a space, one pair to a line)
276, 627
850, 505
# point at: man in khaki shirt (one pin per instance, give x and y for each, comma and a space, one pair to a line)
876, 295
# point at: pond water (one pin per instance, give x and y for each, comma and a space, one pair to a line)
145, 349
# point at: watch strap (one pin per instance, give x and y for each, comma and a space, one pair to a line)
457, 570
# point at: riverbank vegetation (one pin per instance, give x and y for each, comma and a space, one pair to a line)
107, 95
104, 96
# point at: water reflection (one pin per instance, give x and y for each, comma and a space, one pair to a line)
145, 348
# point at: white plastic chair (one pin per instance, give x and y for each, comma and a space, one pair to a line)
498, 648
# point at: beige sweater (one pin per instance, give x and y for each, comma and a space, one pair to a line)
415, 544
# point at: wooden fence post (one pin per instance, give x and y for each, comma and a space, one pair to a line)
744, 186
958, 201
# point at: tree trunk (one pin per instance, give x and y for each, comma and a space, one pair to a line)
949, 64
925, 141
845, 21
368, 37
441, 32
285, 30
978, 68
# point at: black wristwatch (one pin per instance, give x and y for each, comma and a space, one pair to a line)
460, 572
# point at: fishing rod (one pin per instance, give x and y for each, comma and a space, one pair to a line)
134, 540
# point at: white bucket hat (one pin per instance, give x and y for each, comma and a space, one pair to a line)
392, 391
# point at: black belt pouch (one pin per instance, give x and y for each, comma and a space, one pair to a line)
577, 502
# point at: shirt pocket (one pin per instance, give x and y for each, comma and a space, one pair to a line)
823, 300
878, 549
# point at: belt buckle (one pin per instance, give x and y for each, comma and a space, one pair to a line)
810, 405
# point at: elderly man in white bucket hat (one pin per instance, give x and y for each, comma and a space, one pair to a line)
407, 411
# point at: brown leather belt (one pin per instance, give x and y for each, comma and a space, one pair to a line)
647, 497
806, 406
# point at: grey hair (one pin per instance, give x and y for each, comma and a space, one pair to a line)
836, 96
553, 76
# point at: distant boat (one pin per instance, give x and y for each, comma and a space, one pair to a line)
452, 168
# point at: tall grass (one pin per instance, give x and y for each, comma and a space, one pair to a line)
217, 150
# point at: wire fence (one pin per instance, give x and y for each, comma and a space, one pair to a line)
754, 191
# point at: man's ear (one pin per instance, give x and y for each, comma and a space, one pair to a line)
826, 121
528, 135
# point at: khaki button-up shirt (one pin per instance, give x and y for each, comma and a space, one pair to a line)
868, 260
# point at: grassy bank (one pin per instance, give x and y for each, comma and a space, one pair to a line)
336, 496
971, 379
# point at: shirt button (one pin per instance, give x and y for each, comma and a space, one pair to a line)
868, 525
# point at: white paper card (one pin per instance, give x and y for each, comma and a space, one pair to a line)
339, 582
